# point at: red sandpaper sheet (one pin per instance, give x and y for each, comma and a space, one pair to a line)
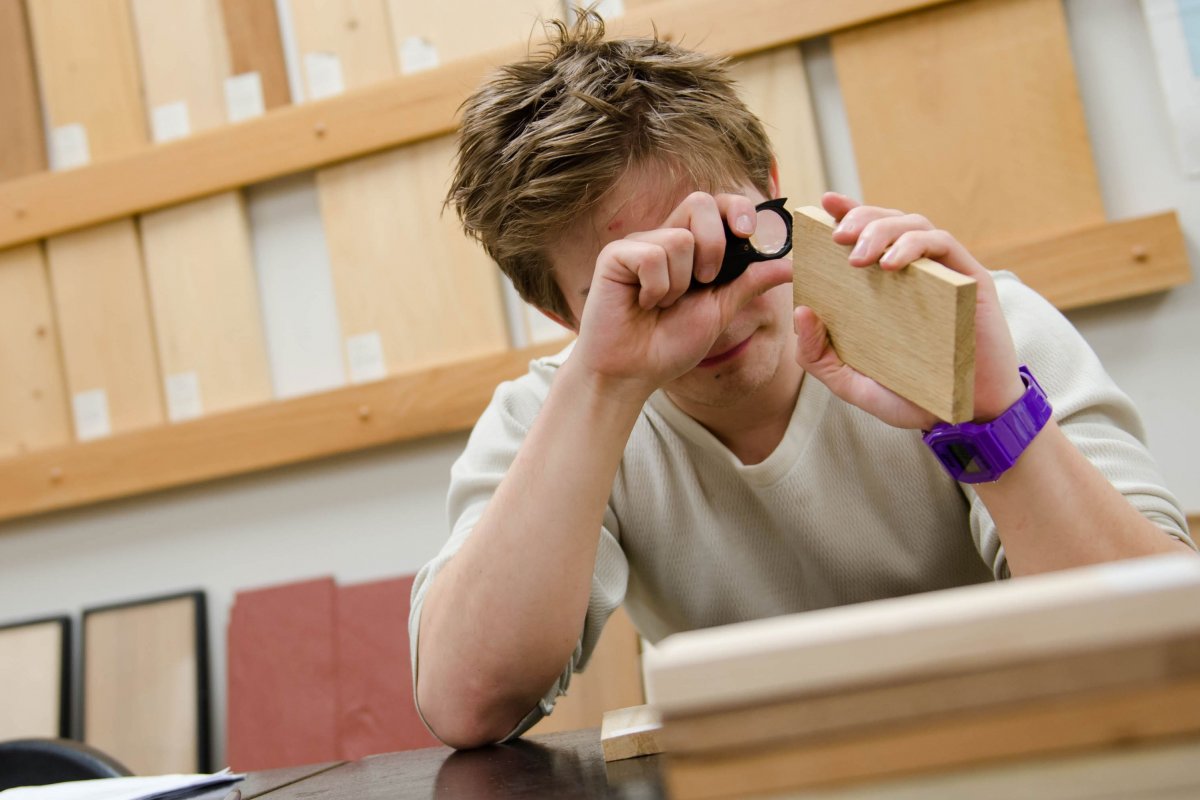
376, 709
282, 682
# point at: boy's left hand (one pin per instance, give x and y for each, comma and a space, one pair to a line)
893, 240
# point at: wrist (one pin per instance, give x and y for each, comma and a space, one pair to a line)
618, 392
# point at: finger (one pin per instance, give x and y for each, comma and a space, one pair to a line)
639, 265
837, 205
760, 277
858, 218
700, 214
937, 245
879, 234
680, 247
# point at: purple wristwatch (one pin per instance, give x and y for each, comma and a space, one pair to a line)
980, 453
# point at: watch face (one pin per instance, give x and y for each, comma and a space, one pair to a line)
967, 459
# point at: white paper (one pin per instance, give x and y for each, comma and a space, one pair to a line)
170, 121
69, 147
244, 97
1175, 34
135, 788
91, 415
183, 396
365, 356
416, 54
324, 73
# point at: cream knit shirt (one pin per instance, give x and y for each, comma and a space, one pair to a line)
846, 509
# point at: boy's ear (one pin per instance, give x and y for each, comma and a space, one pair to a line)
550, 315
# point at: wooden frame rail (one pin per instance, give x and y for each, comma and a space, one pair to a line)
364, 121
440, 399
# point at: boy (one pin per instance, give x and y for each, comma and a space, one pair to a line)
702, 455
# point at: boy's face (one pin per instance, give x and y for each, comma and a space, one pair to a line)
749, 352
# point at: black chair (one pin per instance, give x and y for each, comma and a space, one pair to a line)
36, 762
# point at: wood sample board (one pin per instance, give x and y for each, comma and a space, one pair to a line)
425, 36
35, 679
211, 350
255, 45
912, 330
631, 733
22, 143
87, 66
145, 683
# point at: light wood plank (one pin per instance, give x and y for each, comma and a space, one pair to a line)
87, 64
412, 289
1102, 263
33, 687
612, 679
142, 682
908, 638
400, 111
343, 45
33, 400
423, 403
631, 733
424, 35
211, 351
1071, 724
256, 46
913, 330
22, 144
970, 115
774, 86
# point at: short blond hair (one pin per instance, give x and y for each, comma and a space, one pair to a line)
543, 139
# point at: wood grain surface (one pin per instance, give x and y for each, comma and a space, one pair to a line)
912, 330
631, 733
349, 38
32, 684
22, 141
424, 35
255, 44
970, 115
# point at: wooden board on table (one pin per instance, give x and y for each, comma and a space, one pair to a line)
412, 289
211, 350
145, 683
22, 144
255, 45
1090, 721
925, 635
376, 710
282, 676
631, 733
35, 679
774, 86
970, 114
912, 330
612, 679
425, 36
87, 66
342, 45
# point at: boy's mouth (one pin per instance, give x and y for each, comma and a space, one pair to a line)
731, 353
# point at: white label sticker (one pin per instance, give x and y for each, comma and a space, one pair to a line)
244, 97
324, 71
611, 8
365, 354
183, 396
170, 121
69, 147
416, 54
91, 415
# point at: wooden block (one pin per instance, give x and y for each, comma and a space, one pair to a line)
970, 114
612, 679
1101, 263
342, 45
774, 85
376, 710
425, 36
22, 143
35, 679
861, 711
631, 732
145, 684
1089, 721
104, 325
912, 330
256, 46
412, 289
925, 635
282, 676
33, 402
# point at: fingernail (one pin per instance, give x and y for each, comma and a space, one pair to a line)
843, 227
745, 224
860, 249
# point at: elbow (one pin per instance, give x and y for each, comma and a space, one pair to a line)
468, 719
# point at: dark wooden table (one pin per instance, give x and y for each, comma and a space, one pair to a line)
557, 765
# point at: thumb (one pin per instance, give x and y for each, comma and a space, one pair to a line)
760, 277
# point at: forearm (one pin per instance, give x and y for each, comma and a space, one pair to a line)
1055, 510
502, 618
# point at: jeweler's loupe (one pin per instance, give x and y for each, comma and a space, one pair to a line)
772, 238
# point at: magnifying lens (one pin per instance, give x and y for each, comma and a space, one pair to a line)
772, 238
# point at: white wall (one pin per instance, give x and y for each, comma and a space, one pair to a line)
381, 513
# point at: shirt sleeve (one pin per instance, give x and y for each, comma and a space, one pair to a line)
474, 478
1094, 414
